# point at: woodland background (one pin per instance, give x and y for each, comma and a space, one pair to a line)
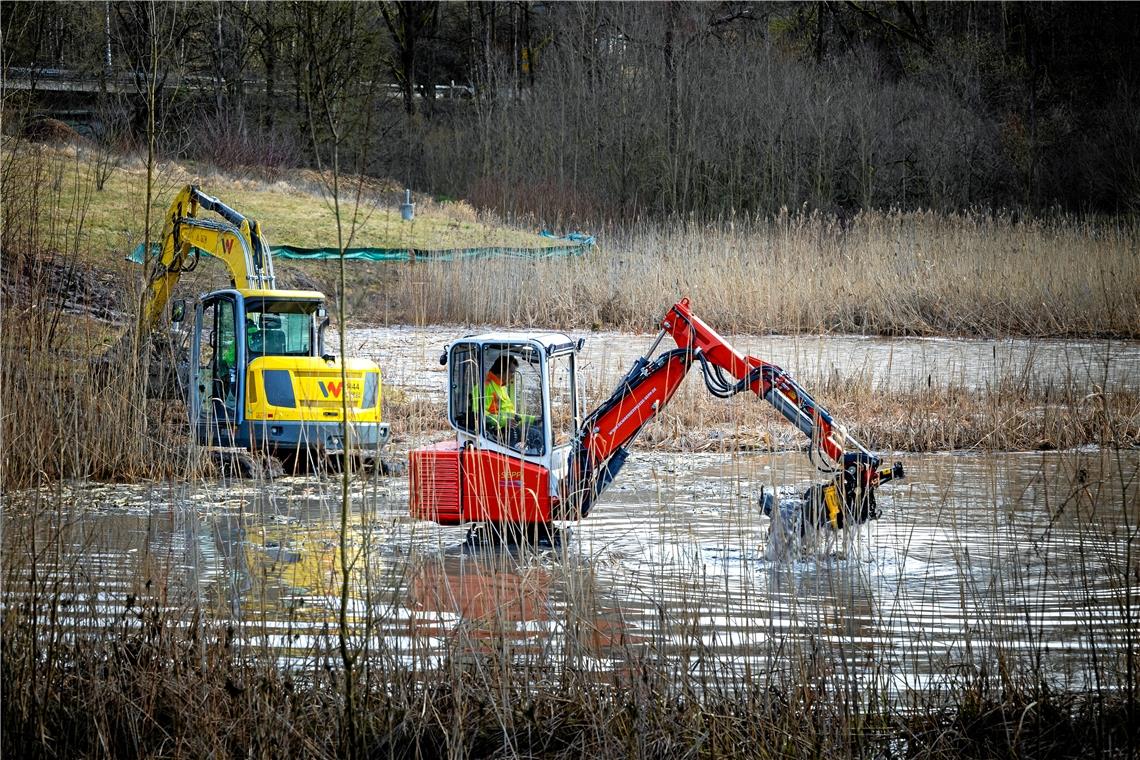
619, 111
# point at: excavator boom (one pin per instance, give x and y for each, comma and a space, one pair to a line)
603, 441
237, 241
766, 380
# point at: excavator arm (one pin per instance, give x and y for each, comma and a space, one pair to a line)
602, 444
233, 238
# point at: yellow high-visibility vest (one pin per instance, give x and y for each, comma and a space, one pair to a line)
499, 404
498, 400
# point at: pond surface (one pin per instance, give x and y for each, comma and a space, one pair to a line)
1019, 557
409, 358
1029, 556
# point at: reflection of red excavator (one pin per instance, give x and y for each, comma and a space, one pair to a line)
489, 597
492, 595
555, 463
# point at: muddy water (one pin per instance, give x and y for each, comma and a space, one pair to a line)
975, 557
1019, 555
409, 357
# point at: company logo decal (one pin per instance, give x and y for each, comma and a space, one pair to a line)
631, 412
331, 388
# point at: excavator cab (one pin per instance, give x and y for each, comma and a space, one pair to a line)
513, 430
542, 389
260, 377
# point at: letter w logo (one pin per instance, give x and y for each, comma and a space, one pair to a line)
228, 245
332, 389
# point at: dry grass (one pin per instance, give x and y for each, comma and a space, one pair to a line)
917, 419
878, 273
65, 421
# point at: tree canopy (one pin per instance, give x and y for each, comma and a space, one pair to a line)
616, 110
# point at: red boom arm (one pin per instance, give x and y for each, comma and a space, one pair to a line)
765, 380
602, 443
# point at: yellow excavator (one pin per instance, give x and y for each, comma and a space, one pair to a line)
258, 375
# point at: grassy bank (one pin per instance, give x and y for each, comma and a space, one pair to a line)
874, 273
54, 212
292, 206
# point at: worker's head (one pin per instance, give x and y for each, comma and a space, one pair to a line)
504, 367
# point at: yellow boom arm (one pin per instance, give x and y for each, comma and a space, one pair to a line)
234, 239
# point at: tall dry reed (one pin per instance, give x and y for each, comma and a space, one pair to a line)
876, 273
73, 407
1010, 415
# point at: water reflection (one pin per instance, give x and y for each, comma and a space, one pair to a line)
977, 556
491, 596
547, 604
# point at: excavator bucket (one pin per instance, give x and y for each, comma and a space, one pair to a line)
847, 499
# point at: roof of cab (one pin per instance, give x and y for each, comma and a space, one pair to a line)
547, 340
283, 295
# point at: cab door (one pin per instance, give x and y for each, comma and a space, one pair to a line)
505, 475
217, 358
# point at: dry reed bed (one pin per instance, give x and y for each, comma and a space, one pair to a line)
1008, 417
152, 691
876, 273
65, 426
66, 414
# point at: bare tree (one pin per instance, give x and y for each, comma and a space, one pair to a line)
338, 101
408, 21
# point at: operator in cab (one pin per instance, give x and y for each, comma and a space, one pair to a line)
254, 338
500, 407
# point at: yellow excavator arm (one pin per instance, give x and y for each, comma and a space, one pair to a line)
235, 240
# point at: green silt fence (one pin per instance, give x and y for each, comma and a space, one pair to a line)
574, 244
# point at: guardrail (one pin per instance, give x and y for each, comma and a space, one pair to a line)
70, 80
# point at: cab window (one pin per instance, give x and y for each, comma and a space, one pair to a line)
217, 354
525, 431
563, 416
281, 328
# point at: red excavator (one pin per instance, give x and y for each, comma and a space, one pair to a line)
548, 462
